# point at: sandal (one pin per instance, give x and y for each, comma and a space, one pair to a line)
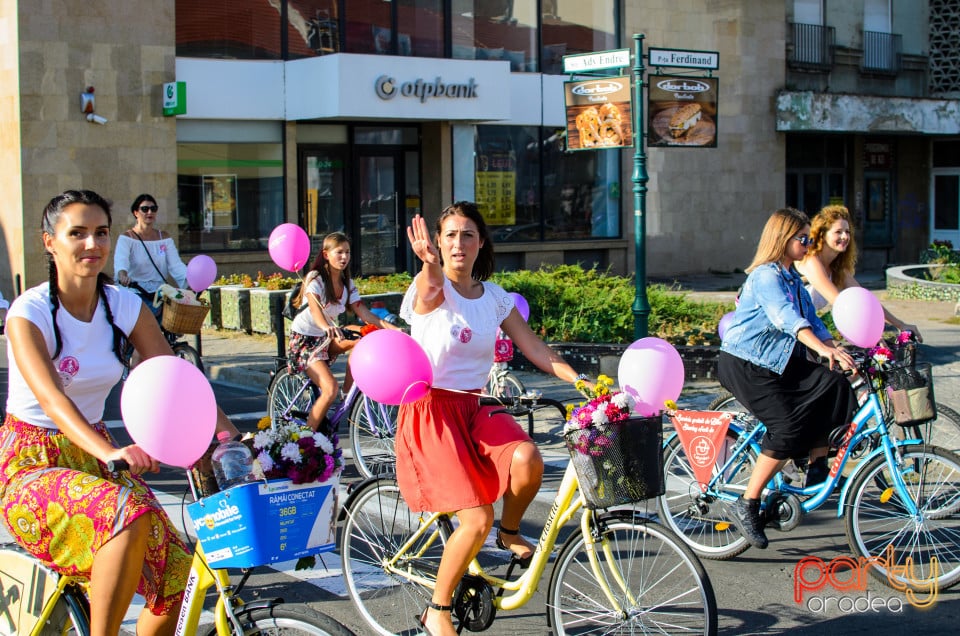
432, 606
524, 560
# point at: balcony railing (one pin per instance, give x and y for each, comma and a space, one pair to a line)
812, 46
881, 52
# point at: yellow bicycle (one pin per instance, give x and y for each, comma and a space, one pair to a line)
37, 601
617, 573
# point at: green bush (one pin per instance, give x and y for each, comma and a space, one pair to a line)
570, 304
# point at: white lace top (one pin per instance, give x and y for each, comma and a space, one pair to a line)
460, 334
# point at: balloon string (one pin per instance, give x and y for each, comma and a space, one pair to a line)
403, 398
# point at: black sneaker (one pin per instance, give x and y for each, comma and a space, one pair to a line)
817, 472
746, 516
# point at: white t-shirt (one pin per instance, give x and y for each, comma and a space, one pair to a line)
87, 365
131, 256
303, 322
460, 334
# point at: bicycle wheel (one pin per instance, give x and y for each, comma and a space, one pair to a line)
378, 522
726, 402
506, 386
188, 353
943, 431
879, 526
659, 583
288, 389
372, 429
288, 620
70, 616
701, 519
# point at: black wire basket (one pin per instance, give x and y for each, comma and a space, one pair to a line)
618, 463
909, 392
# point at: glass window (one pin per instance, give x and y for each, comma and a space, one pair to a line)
312, 28
529, 189
496, 30
232, 29
368, 27
388, 136
946, 201
420, 28
230, 196
946, 154
575, 27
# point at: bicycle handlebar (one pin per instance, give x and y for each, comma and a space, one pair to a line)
116, 465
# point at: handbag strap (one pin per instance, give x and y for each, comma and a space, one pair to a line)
135, 233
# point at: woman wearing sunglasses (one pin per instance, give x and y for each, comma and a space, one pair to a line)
763, 362
146, 257
831, 259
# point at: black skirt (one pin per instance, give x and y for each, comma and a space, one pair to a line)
799, 408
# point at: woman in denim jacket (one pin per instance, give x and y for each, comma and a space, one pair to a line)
764, 363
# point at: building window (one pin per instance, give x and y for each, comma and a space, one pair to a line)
530, 189
230, 29
568, 29
230, 195
406, 27
496, 30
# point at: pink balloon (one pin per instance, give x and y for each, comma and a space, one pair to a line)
724, 323
391, 367
522, 305
201, 272
169, 410
651, 371
289, 246
858, 316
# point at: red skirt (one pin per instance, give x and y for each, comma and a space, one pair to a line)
452, 454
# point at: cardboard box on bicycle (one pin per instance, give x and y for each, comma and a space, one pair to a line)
266, 522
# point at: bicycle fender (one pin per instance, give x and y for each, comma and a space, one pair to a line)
354, 488
845, 491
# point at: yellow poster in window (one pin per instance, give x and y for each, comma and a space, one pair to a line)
497, 197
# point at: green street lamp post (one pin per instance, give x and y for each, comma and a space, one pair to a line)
641, 306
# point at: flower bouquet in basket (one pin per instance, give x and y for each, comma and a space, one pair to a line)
295, 452
618, 457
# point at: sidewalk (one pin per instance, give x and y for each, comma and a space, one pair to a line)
246, 360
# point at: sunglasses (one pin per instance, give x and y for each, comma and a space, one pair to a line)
806, 241
148, 208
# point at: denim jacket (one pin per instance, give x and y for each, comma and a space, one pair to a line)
773, 308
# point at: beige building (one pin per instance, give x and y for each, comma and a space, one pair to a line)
290, 117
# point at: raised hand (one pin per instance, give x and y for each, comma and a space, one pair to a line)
420, 241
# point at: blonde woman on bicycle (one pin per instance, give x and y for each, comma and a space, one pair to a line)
58, 500
315, 338
452, 454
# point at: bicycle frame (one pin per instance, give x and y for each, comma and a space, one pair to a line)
565, 505
814, 496
202, 578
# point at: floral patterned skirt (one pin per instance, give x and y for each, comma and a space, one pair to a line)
61, 505
305, 350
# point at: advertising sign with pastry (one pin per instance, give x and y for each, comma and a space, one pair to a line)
599, 114
683, 111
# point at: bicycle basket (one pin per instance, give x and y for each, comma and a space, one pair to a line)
909, 393
183, 318
618, 463
266, 522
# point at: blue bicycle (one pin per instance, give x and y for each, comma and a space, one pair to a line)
900, 501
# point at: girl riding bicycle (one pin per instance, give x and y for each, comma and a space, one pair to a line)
58, 500
453, 455
763, 362
315, 338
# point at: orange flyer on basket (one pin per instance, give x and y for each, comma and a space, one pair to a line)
702, 434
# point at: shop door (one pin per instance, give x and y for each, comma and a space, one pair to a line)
946, 206
878, 214
386, 198
322, 204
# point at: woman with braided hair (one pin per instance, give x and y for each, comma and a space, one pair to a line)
57, 498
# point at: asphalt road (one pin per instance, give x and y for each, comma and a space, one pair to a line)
755, 591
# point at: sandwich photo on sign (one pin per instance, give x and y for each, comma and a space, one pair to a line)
683, 111
599, 114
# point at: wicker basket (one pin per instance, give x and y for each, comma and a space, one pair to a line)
910, 393
628, 469
182, 318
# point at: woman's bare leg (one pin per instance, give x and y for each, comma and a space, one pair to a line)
526, 475
321, 375
462, 546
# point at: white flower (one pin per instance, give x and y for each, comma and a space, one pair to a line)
266, 463
622, 400
323, 443
599, 417
291, 452
264, 439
